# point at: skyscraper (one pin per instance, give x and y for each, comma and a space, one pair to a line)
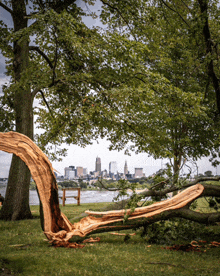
125, 168
98, 164
113, 167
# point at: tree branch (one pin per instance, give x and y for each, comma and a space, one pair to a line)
114, 8
175, 12
210, 190
110, 189
37, 89
37, 49
44, 99
204, 218
61, 5
158, 185
6, 8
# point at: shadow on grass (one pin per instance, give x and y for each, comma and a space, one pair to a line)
9, 267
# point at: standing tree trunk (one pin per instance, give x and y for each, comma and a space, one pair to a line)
204, 6
176, 168
16, 204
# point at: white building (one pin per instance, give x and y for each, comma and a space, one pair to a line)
72, 175
113, 167
85, 171
67, 170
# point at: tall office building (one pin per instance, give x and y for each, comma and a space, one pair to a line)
125, 168
98, 164
138, 172
113, 167
79, 171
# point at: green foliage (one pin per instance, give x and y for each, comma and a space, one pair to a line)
208, 173
163, 107
174, 231
123, 186
140, 82
124, 190
214, 202
67, 184
82, 184
33, 186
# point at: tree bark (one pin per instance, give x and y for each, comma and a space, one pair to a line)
16, 204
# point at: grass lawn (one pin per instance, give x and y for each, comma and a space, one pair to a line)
24, 251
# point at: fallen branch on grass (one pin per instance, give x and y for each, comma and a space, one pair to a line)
198, 246
122, 234
59, 230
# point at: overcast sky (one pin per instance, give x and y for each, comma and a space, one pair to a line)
85, 157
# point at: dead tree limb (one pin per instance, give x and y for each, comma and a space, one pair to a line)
59, 230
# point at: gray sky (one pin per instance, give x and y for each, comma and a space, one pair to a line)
85, 157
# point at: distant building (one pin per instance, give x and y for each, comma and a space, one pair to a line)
85, 171
98, 165
70, 172
138, 172
104, 173
119, 176
125, 168
113, 167
96, 174
129, 176
79, 171
67, 170
72, 175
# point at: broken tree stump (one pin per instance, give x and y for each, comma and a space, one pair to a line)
57, 228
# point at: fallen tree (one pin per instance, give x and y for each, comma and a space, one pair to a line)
59, 230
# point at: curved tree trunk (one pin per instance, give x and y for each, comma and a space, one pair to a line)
57, 227
16, 204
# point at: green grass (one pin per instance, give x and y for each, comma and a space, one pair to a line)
24, 251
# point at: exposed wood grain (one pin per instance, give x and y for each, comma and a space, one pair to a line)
57, 228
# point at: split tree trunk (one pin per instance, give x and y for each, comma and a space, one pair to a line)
57, 228
16, 204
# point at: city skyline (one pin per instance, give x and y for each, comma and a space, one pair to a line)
85, 157
73, 172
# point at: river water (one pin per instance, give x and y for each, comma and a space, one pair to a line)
85, 196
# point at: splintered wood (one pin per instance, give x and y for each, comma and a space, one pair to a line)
57, 228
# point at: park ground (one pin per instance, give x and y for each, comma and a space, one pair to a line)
24, 250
